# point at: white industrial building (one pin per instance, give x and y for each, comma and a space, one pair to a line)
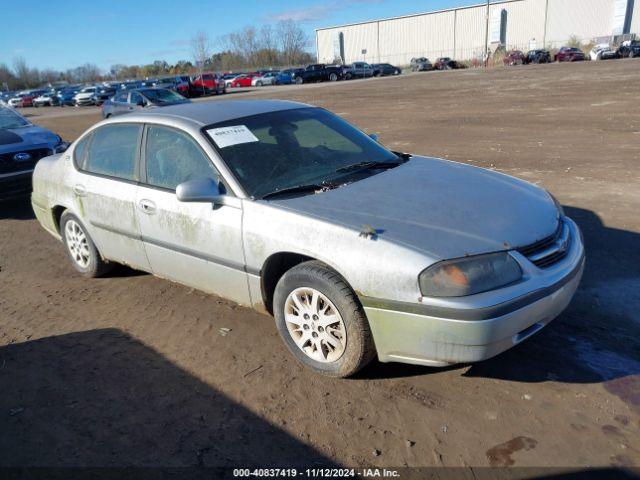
461, 32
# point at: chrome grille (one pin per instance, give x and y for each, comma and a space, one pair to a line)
550, 250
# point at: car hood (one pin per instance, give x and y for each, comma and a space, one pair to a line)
85, 94
30, 136
441, 208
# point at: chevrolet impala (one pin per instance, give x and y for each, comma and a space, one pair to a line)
356, 250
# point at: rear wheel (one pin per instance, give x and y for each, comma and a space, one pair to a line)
84, 255
299, 81
321, 320
333, 77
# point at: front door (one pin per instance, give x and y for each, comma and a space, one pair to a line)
196, 244
105, 189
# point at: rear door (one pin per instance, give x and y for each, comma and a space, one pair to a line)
120, 104
196, 244
105, 189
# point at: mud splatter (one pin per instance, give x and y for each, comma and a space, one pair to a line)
626, 389
622, 419
611, 430
500, 455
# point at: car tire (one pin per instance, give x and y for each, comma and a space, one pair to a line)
631, 54
81, 250
396, 72
299, 81
337, 349
333, 77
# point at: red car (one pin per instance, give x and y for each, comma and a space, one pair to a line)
514, 57
569, 54
206, 84
242, 81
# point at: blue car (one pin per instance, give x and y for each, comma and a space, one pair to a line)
285, 77
22, 144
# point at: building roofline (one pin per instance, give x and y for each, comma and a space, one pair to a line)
432, 12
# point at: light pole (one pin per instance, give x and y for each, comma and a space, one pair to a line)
486, 37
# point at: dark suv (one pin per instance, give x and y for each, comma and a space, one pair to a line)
380, 69
22, 144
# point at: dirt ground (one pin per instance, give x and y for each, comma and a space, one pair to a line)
134, 370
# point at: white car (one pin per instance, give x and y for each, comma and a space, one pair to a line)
602, 51
85, 96
268, 78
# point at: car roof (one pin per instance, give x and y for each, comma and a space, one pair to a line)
207, 113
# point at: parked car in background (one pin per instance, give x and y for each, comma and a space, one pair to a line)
85, 96
66, 97
358, 70
102, 94
48, 99
207, 84
292, 210
569, 54
603, 51
22, 99
421, 64
127, 101
285, 77
243, 80
382, 69
537, 56
268, 78
175, 83
318, 72
228, 78
446, 63
514, 57
22, 144
629, 48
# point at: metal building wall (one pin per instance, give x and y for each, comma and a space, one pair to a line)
583, 18
460, 32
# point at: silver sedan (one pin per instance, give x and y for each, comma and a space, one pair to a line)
356, 250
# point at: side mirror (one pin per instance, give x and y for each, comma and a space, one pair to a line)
200, 190
375, 137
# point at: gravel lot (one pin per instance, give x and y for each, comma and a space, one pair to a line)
134, 370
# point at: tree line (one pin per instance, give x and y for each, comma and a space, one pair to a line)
269, 46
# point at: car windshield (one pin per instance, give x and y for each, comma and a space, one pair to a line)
281, 150
163, 97
10, 119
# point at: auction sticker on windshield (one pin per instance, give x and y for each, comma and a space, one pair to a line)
228, 136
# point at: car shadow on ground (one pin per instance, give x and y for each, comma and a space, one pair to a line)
102, 398
18, 208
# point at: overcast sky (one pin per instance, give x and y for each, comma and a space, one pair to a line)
62, 34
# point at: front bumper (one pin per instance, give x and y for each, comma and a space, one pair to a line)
15, 184
476, 328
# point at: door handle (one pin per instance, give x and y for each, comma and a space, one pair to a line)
80, 190
147, 206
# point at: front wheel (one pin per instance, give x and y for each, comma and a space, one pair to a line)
321, 320
80, 248
299, 81
333, 77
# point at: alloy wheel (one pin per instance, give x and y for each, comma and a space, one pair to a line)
315, 325
77, 243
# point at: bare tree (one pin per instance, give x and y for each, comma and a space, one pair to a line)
293, 42
201, 49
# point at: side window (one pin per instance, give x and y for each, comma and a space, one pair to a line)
113, 151
173, 157
121, 97
80, 150
136, 98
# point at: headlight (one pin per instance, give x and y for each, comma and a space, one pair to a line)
469, 275
61, 146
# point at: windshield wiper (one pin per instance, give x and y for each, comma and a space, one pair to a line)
311, 187
367, 166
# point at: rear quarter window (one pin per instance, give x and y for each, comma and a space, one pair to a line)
113, 151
